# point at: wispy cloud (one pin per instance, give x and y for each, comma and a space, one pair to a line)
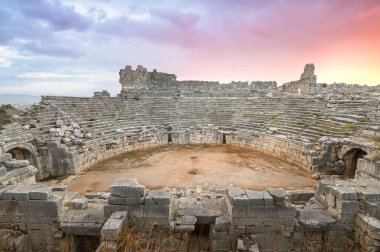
86, 42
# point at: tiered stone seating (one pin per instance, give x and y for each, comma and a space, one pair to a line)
300, 117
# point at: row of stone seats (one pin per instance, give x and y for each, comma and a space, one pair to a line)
292, 116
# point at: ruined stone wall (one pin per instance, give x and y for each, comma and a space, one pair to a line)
368, 168
292, 151
31, 211
343, 215
142, 79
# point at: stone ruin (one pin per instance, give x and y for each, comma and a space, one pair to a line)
326, 130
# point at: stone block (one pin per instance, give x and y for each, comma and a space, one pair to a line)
278, 195
161, 196
80, 203
347, 207
115, 200
344, 193
112, 229
110, 209
240, 200
372, 209
220, 235
5, 188
3, 171
222, 224
14, 164
41, 193
128, 188
59, 188
184, 228
186, 220
123, 215
255, 198
20, 192
148, 201
368, 193
156, 211
46, 208
5, 157
301, 195
268, 200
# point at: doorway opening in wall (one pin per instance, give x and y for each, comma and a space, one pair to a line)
170, 138
200, 238
23, 154
85, 243
224, 139
351, 161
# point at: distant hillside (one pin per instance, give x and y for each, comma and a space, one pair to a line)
6, 112
18, 99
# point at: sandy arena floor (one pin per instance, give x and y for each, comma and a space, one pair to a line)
192, 166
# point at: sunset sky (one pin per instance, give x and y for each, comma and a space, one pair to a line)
72, 47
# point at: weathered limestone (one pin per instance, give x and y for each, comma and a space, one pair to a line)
324, 129
148, 207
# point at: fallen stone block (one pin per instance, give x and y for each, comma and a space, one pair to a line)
128, 188
78, 203
161, 196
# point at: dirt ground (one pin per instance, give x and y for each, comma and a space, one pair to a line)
192, 166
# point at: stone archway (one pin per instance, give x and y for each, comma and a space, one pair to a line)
25, 152
351, 160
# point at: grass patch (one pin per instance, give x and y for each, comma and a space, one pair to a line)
363, 120
274, 116
136, 98
350, 126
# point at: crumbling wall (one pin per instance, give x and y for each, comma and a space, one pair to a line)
142, 79
368, 168
292, 151
34, 211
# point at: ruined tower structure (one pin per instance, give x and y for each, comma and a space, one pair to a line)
306, 83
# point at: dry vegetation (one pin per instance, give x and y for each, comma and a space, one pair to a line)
151, 238
6, 113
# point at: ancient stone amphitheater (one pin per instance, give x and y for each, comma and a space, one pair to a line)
327, 132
